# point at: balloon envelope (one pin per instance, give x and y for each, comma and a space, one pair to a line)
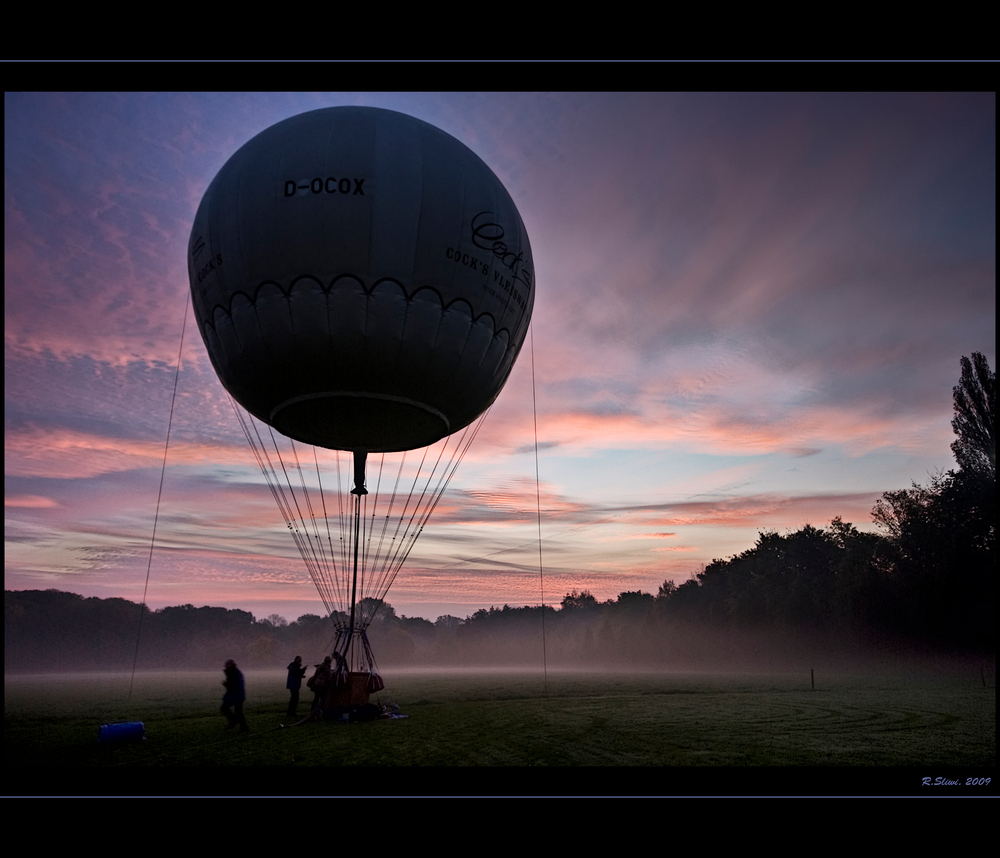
362, 280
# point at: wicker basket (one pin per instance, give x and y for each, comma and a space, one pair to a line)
354, 693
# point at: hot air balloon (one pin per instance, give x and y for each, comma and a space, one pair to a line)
363, 283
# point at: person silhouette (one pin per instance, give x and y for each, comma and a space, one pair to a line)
235, 697
295, 673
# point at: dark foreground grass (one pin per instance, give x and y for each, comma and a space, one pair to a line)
938, 724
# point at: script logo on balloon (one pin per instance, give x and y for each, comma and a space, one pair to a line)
197, 246
487, 235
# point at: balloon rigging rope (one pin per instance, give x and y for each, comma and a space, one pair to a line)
269, 471
385, 522
380, 589
159, 496
306, 548
318, 551
342, 515
399, 539
385, 548
423, 511
375, 501
326, 517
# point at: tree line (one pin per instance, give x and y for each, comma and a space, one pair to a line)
926, 578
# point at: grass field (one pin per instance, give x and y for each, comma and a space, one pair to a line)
936, 725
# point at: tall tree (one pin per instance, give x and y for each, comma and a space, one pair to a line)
974, 423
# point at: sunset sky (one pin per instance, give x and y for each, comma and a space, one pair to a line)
750, 310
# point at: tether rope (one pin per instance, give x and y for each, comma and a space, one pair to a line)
538, 504
159, 497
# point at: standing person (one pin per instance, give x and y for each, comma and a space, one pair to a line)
235, 696
319, 681
295, 673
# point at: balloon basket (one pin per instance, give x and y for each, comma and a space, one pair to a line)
353, 693
360, 682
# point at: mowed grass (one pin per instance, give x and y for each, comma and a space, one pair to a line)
515, 718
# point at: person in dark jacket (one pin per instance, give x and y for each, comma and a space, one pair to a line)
319, 682
235, 697
295, 673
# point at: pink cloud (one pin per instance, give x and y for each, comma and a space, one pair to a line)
763, 511
66, 453
727, 415
30, 502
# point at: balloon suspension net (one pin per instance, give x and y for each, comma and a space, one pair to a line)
354, 541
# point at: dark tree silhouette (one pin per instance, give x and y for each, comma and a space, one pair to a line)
944, 534
667, 589
575, 601
974, 423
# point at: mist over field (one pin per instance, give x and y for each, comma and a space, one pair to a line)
52, 632
581, 722
624, 683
